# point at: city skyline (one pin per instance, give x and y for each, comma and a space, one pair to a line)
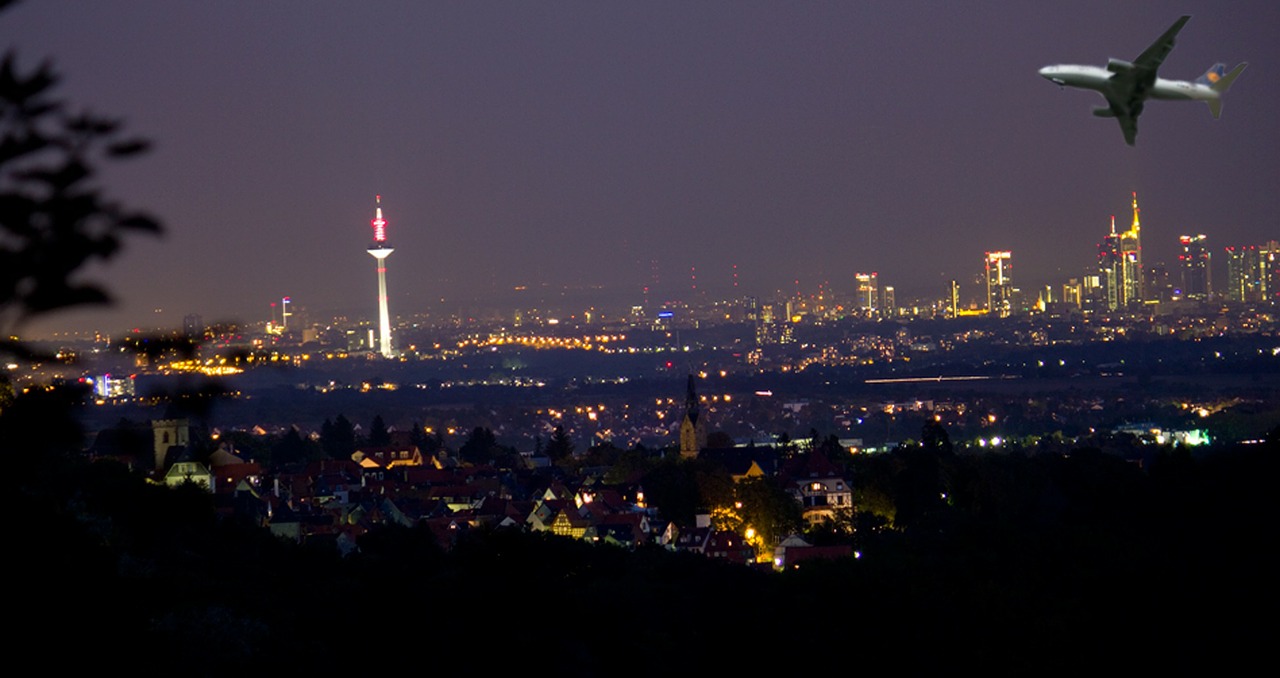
1117, 282
574, 145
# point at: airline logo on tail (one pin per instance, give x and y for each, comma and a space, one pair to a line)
1213, 75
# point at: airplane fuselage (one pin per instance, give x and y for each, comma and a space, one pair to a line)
1105, 81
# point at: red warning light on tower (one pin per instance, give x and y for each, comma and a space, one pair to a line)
379, 224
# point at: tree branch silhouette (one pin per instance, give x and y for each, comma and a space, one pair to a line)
54, 218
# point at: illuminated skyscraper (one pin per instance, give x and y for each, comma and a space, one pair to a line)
1073, 293
1120, 265
1270, 255
1131, 261
1194, 262
284, 313
1093, 293
868, 292
380, 250
999, 283
1246, 274
193, 326
1110, 269
1155, 283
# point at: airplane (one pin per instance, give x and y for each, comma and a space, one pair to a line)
1127, 85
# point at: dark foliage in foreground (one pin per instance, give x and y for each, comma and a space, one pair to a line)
1047, 563
54, 219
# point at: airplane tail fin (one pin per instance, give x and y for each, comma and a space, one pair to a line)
1219, 80
1213, 75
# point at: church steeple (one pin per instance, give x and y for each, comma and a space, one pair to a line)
693, 429
691, 407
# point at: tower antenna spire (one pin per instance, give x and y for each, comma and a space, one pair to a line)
1135, 211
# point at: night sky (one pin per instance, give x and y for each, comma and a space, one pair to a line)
592, 144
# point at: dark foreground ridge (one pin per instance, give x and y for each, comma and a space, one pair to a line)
1033, 563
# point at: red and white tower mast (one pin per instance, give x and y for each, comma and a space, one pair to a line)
380, 250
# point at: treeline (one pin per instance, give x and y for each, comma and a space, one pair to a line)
1005, 562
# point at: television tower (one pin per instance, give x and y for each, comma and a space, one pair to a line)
380, 251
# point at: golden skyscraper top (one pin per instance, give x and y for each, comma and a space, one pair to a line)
1135, 228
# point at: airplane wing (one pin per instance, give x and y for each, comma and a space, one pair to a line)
1124, 112
1131, 81
1153, 56
1128, 125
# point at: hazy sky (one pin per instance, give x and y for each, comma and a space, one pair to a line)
574, 143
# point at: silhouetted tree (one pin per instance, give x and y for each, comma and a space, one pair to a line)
934, 436
53, 221
786, 448
125, 440
715, 486
290, 449
326, 434
922, 486
831, 447
671, 487
560, 447
379, 436
719, 440
481, 447
838, 529
405, 550
40, 425
814, 442
338, 438
768, 509
419, 438
630, 466
248, 446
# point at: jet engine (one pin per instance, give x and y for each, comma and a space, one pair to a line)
1119, 65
